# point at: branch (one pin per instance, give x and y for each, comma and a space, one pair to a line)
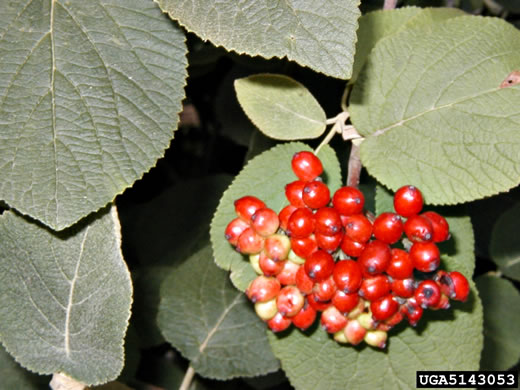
354, 166
390, 4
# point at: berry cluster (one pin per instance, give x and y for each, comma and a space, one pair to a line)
323, 254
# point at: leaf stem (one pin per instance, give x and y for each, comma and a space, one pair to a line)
390, 4
338, 123
354, 166
188, 378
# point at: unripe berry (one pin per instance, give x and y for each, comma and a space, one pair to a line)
358, 228
294, 193
329, 243
319, 265
384, 307
441, 228
234, 229
316, 194
289, 301
376, 338
354, 332
340, 337
374, 287
328, 221
351, 248
279, 323
249, 242
461, 286
246, 206
268, 266
303, 282
284, 216
347, 276
263, 289
388, 227
266, 310
324, 290
401, 265
306, 166
348, 201
425, 256
408, 201
375, 258
305, 317
294, 258
358, 310
301, 223
265, 222
287, 276
418, 229
403, 288
367, 321
344, 302
332, 320
277, 246
254, 260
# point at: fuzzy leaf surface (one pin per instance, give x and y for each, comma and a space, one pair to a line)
89, 96
65, 298
15, 377
505, 246
320, 35
280, 107
429, 105
443, 340
212, 323
265, 177
501, 302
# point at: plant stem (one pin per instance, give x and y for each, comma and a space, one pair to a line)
390, 4
354, 166
188, 378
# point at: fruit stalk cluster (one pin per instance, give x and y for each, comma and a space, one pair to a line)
322, 254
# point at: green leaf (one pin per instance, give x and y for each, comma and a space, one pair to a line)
89, 96
505, 246
15, 377
320, 35
211, 323
510, 5
377, 25
428, 103
280, 107
265, 177
65, 298
501, 302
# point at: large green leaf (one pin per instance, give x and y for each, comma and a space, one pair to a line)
212, 323
505, 246
444, 340
280, 107
265, 177
15, 377
65, 298
377, 25
428, 103
89, 96
320, 35
501, 302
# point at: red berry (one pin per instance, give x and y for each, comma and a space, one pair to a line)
301, 223
418, 229
408, 201
388, 227
234, 229
279, 323
354, 332
249, 242
374, 287
289, 301
441, 228
401, 265
403, 288
375, 258
246, 206
358, 228
268, 266
306, 166
329, 243
427, 294
287, 276
347, 276
348, 201
284, 215
444, 303
351, 248
263, 289
413, 311
317, 305
384, 307
294, 193
445, 282
316, 194
319, 265
277, 246
332, 320
394, 319
305, 317
324, 290
345, 302
303, 247
303, 282
425, 256
461, 286
265, 222
328, 221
